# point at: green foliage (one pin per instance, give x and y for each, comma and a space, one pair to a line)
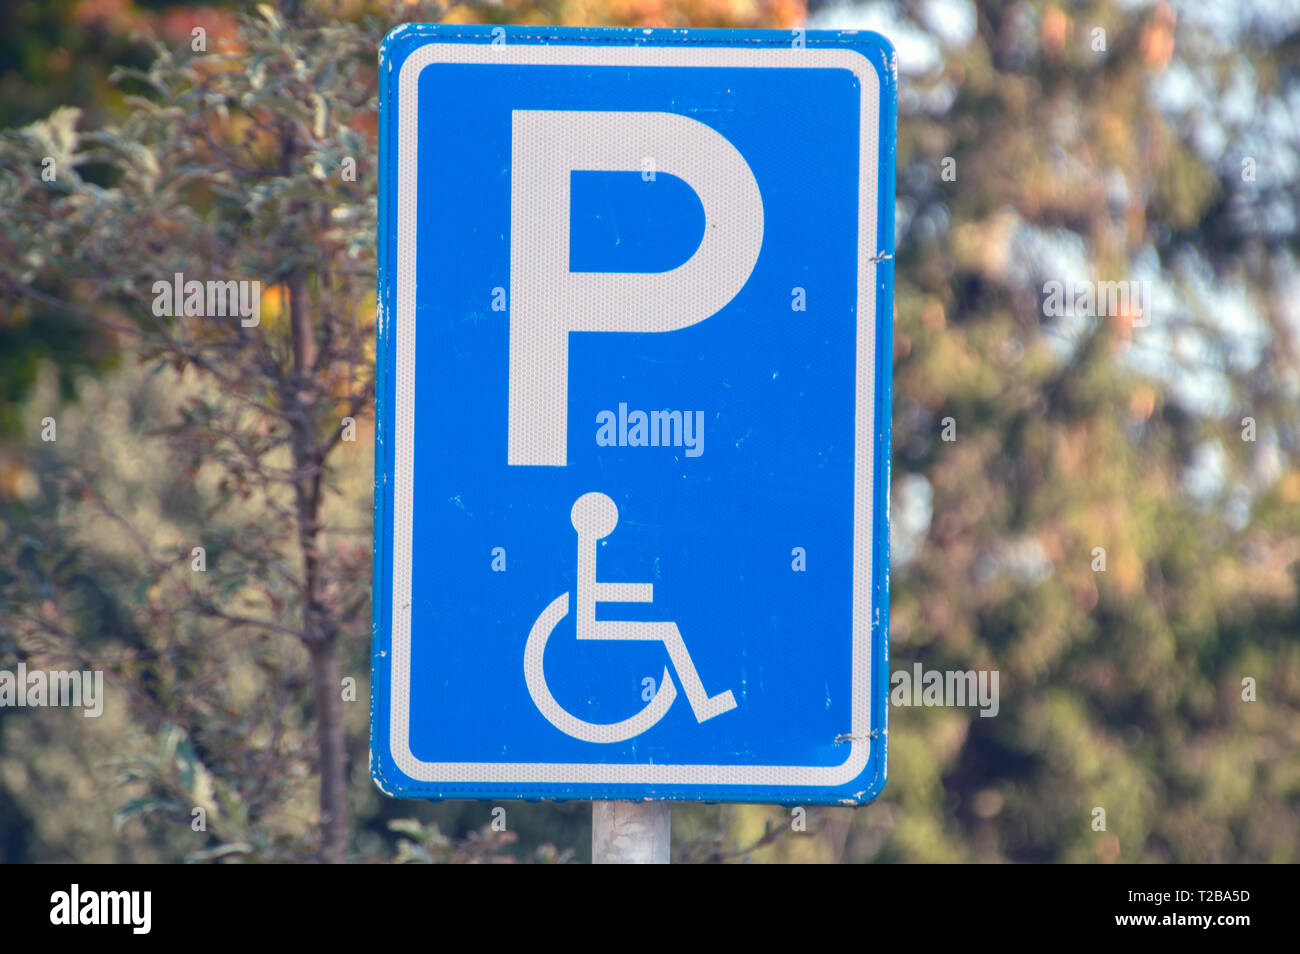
423, 843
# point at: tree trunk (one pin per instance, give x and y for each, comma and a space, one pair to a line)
326, 681
320, 633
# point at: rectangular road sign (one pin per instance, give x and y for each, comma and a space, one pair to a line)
632, 453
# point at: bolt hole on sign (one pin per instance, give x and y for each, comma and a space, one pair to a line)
632, 445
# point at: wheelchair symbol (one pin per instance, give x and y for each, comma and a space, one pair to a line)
594, 516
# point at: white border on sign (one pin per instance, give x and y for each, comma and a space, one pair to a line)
403, 419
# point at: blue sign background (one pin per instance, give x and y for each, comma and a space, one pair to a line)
713, 533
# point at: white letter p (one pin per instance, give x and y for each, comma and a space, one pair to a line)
547, 301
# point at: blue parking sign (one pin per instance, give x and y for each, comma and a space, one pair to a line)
632, 454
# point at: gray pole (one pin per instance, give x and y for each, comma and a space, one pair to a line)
630, 833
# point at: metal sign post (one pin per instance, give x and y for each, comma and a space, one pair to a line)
633, 409
630, 833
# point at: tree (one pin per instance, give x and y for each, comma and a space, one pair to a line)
1091, 143
231, 245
